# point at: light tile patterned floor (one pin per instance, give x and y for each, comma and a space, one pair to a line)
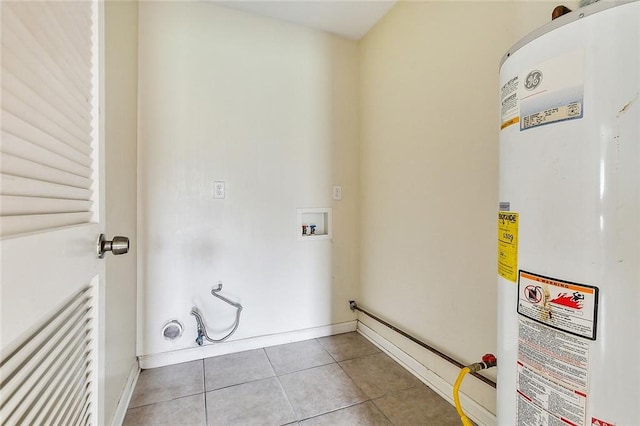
335, 380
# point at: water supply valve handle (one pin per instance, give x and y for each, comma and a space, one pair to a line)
490, 360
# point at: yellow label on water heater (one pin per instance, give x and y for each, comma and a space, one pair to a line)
508, 245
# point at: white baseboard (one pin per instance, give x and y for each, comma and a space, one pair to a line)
125, 397
472, 409
209, 350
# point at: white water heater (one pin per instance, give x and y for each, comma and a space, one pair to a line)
569, 222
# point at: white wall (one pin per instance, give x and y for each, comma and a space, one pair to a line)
429, 128
405, 120
121, 54
271, 109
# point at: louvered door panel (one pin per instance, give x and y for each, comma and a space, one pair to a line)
46, 174
47, 379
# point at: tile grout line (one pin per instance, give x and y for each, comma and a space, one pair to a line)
325, 349
302, 369
373, 400
274, 373
363, 392
354, 382
305, 369
163, 401
298, 416
204, 392
269, 360
338, 409
286, 395
345, 372
380, 410
243, 383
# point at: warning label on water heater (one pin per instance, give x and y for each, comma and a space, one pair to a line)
543, 401
552, 376
556, 319
557, 356
562, 305
509, 105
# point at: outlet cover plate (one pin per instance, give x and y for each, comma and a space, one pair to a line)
218, 189
337, 193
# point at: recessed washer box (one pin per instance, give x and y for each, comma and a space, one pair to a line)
320, 217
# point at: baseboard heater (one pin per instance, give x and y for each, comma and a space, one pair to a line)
354, 307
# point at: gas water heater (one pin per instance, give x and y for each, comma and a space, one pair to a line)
569, 222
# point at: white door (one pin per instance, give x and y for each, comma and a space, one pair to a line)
51, 278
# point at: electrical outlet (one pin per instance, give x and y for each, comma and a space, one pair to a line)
218, 189
337, 193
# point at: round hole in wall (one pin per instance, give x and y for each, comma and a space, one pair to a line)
172, 330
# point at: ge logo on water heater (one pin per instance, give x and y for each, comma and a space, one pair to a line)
533, 80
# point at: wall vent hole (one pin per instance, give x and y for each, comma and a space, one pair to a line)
172, 330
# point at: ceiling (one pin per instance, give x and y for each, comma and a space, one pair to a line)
350, 19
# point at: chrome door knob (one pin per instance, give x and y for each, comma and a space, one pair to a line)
119, 245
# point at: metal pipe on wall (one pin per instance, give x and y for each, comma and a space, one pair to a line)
354, 307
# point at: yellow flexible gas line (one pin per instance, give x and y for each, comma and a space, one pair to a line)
456, 389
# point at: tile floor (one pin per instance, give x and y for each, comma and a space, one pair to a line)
334, 380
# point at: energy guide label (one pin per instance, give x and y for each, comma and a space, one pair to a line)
508, 245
